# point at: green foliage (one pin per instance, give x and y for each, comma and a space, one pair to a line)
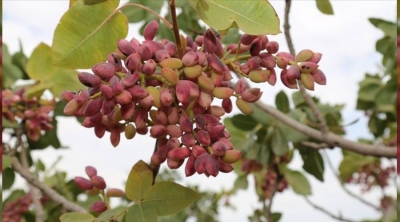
244, 122
312, 162
8, 178
97, 35
77, 217
282, 102
6, 161
11, 71
139, 181
298, 182
113, 214
279, 143
241, 182
352, 162
325, 7
47, 75
169, 197
136, 14
141, 213
162, 198
231, 36
379, 98
257, 18
377, 93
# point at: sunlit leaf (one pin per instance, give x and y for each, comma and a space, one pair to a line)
111, 214
279, 143
282, 102
139, 181
258, 17
48, 76
136, 14
261, 116
325, 7
298, 182
241, 182
83, 29
352, 162
143, 212
389, 28
243, 122
6, 161
169, 198
77, 217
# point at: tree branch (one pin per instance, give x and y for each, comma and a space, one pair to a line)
39, 213
318, 115
274, 189
175, 29
340, 218
345, 188
154, 168
53, 195
330, 138
315, 145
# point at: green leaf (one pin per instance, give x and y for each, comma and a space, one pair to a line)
261, 116
279, 143
20, 60
7, 161
87, 33
11, 72
238, 137
376, 125
325, 7
384, 100
282, 102
50, 77
258, 17
8, 178
8, 124
312, 162
232, 36
92, 2
77, 217
364, 105
108, 215
135, 14
298, 99
139, 181
243, 122
241, 182
71, 2
298, 182
276, 217
368, 91
351, 163
143, 212
389, 28
169, 198
384, 45
291, 134
40, 165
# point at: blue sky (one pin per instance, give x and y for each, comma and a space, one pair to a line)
347, 41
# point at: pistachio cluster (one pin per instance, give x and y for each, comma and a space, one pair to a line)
147, 87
